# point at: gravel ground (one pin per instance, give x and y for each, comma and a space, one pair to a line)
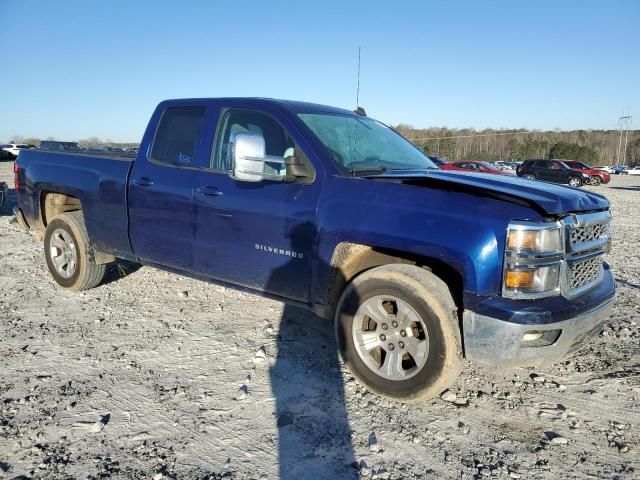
158, 376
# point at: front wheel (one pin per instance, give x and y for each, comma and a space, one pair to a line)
575, 182
397, 331
67, 251
529, 176
595, 180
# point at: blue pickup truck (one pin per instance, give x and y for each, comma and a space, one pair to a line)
332, 210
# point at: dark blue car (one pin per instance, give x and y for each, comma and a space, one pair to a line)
333, 211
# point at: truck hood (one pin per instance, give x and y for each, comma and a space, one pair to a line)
548, 198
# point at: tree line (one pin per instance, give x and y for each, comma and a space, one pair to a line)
591, 146
598, 147
85, 142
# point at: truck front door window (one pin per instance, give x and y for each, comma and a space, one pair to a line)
278, 143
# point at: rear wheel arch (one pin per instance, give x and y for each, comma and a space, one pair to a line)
53, 204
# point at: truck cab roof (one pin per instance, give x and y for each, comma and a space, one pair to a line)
293, 106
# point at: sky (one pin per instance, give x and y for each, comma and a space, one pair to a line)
75, 69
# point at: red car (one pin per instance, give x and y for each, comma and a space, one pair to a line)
482, 167
597, 176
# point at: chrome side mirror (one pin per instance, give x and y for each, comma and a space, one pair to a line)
249, 159
248, 156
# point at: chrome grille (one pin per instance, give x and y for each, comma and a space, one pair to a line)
587, 237
584, 273
589, 232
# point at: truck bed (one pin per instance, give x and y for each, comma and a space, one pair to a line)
99, 181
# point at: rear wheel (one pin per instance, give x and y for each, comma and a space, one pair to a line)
575, 181
397, 331
529, 176
595, 180
68, 255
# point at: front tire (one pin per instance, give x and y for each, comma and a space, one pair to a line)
595, 180
575, 182
529, 176
397, 331
68, 254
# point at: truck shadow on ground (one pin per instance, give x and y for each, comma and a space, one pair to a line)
120, 269
314, 437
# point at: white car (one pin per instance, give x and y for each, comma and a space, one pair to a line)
633, 171
607, 169
14, 148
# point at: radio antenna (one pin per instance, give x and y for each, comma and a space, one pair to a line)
358, 81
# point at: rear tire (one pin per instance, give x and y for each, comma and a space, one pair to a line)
68, 253
575, 182
411, 309
529, 176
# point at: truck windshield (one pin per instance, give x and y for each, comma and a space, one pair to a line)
362, 145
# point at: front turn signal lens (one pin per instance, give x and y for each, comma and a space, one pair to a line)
519, 279
532, 280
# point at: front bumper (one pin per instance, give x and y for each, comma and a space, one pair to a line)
501, 342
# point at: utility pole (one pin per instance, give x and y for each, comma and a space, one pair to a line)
624, 120
628, 118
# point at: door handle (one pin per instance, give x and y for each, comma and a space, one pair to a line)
143, 182
209, 191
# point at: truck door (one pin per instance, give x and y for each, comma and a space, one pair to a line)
260, 235
161, 188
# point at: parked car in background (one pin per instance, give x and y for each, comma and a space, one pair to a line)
14, 148
597, 176
619, 169
480, 167
552, 171
632, 171
3, 192
439, 161
5, 155
605, 168
60, 146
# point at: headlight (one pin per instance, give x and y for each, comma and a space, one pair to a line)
537, 240
532, 262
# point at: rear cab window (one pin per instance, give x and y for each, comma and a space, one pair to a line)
177, 136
